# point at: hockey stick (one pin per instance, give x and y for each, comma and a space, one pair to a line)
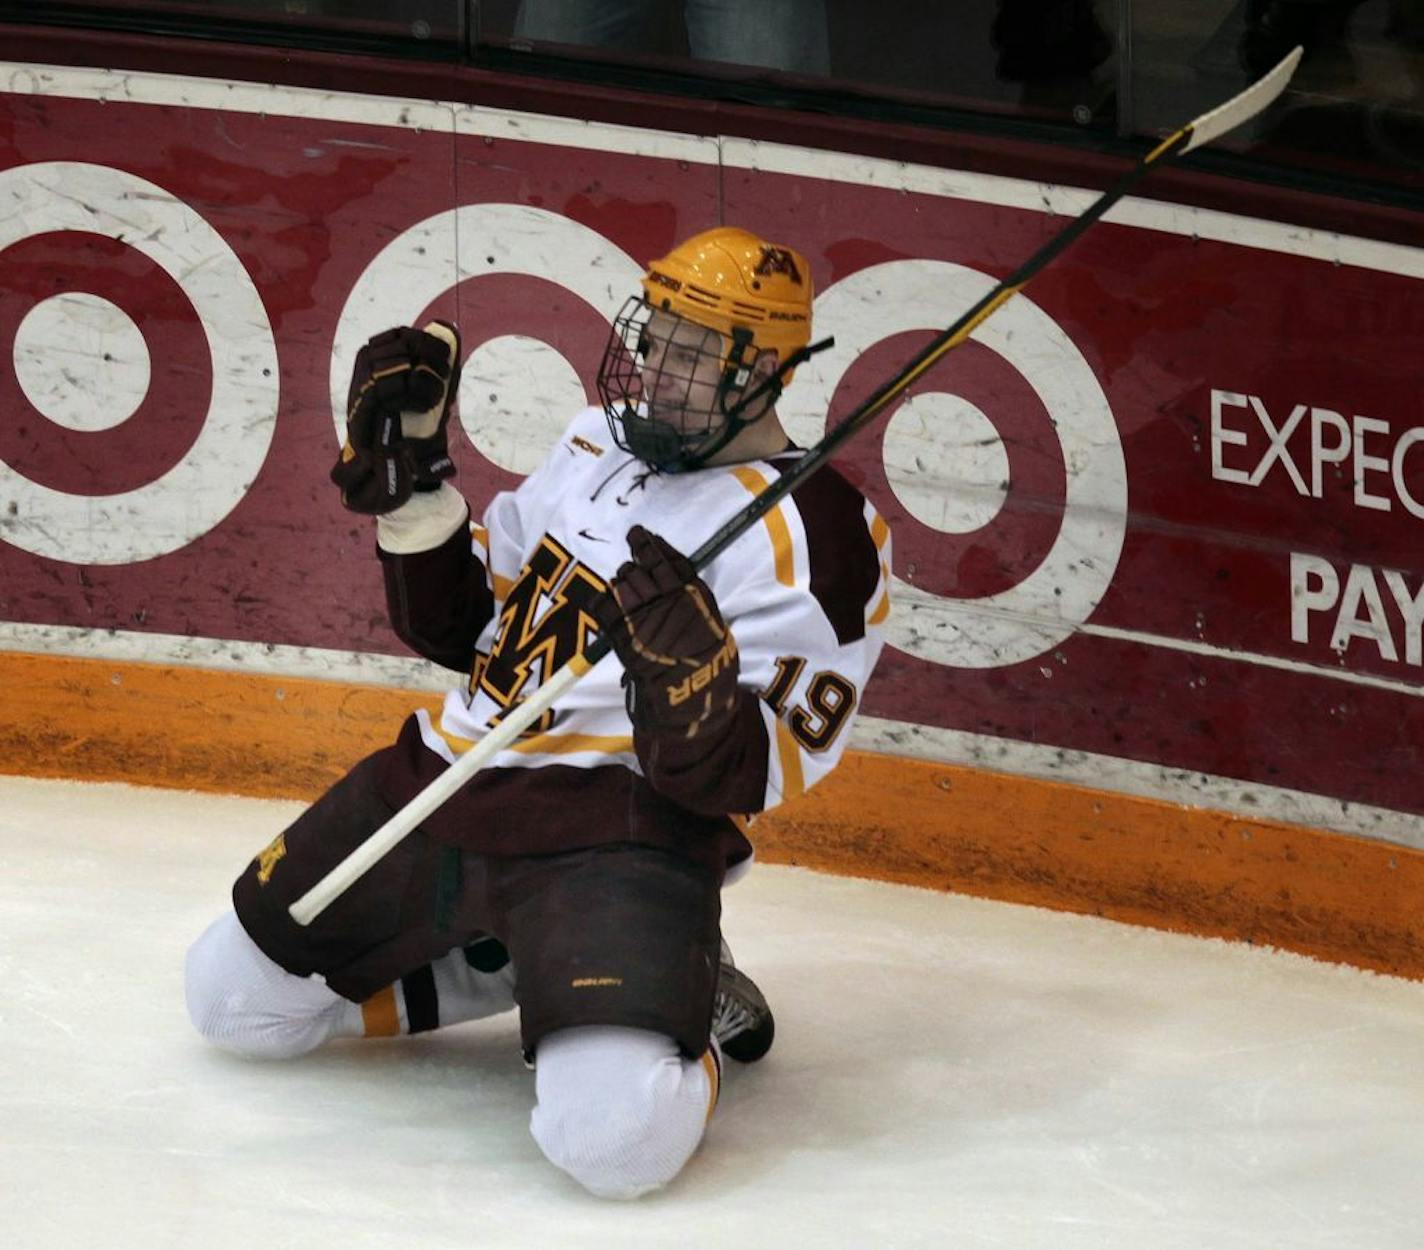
1204, 129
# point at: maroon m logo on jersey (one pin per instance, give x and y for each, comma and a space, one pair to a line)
546, 620
778, 260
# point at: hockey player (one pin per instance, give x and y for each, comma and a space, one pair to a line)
578, 876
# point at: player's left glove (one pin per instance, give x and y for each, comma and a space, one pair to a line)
403, 387
663, 622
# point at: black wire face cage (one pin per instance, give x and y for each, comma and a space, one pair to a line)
670, 397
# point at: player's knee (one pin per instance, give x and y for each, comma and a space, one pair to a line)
611, 1153
615, 1110
240, 1000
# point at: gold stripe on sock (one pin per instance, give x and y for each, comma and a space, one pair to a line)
379, 1015
714, 1080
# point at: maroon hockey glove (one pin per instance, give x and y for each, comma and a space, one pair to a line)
680, 656
402, 389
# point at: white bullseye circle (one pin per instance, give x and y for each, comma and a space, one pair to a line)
82, 362
197, 493
516, 397
425, 262
1065, 589
946, 463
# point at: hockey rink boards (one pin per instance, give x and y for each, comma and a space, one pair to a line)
1155, 526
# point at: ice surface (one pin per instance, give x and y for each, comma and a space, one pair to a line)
948, 1073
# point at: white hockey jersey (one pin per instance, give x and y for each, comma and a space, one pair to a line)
804, 592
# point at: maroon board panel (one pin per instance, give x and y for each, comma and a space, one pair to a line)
1268, 411
1165, 509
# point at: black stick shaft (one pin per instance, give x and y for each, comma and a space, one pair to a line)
942, 344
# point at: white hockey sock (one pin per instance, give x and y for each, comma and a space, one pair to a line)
241, 1000
620, 1110
444, 992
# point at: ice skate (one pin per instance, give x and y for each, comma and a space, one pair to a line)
742, 1022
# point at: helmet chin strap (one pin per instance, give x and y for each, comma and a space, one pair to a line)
735, 377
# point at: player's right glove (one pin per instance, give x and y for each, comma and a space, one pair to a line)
403, 387
663, 622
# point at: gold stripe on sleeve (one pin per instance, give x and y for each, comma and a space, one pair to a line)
793, 782
775, 526
379, 1015
882, 609
879, 531
500, 585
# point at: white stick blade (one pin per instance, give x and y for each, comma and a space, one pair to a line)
1241, 108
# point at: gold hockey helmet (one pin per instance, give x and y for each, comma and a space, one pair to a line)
683, 372
731, 280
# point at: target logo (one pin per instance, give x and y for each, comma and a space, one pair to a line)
97, 390
950, 466
146, 383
